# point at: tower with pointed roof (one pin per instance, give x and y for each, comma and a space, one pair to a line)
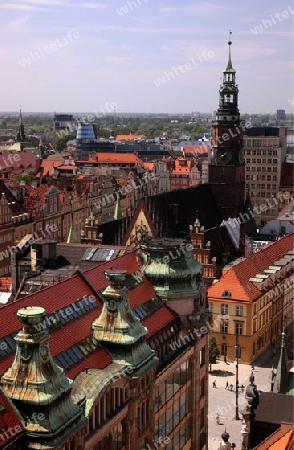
20, 134
226, 164
281, 379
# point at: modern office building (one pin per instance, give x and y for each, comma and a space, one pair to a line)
265, 152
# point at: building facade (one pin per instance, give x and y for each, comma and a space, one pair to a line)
265, 152
257, 295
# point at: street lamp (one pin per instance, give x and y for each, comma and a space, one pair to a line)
237, 348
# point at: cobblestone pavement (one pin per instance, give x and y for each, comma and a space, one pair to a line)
222, 400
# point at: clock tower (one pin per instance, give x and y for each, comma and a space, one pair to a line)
226, 172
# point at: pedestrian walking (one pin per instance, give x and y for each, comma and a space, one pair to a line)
227, 385
217, 418
231, 387
214, 384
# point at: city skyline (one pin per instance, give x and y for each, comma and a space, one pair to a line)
144, 56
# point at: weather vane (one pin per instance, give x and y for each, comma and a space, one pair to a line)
230, 32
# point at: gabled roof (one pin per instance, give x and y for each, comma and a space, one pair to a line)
237, 278
141, 207
47, 166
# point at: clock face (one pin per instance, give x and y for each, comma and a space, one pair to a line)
223, 156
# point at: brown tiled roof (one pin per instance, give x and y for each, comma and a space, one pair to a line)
21, 159
282, 412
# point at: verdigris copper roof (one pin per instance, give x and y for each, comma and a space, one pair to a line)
34, 380
119, 329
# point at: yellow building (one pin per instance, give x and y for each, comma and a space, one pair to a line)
256, 295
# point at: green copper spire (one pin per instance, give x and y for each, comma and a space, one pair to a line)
120, 330
35, 383
229, 65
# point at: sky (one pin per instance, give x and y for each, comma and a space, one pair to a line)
149, 56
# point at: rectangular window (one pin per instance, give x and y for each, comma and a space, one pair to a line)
202, 387
202, 356
224, 309
239, 310
224, 349
239, 328
202, 416
224, 327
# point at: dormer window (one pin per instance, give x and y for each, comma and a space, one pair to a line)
227, 293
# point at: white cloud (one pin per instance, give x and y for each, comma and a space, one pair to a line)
93, 5
20, 7
17, 26
46, 2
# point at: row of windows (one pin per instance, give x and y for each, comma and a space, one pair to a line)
107, 406
238, 328
262, 161
115, 440
262, 195
225, 309
261, 169
5, 237
261, 177
224, 351
181, 438
263, 186
261, 152
172, 416
173, 383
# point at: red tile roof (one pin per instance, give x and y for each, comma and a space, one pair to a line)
284, 443
8, 419
47, 167
117, 158
20, 159
129, 137
195, 150
66, 167
69, 291
236, 279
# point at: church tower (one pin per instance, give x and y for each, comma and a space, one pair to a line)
226, 173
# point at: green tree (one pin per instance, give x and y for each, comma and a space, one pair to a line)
60, 144
213, 351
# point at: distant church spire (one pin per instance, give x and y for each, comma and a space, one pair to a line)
21, 134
